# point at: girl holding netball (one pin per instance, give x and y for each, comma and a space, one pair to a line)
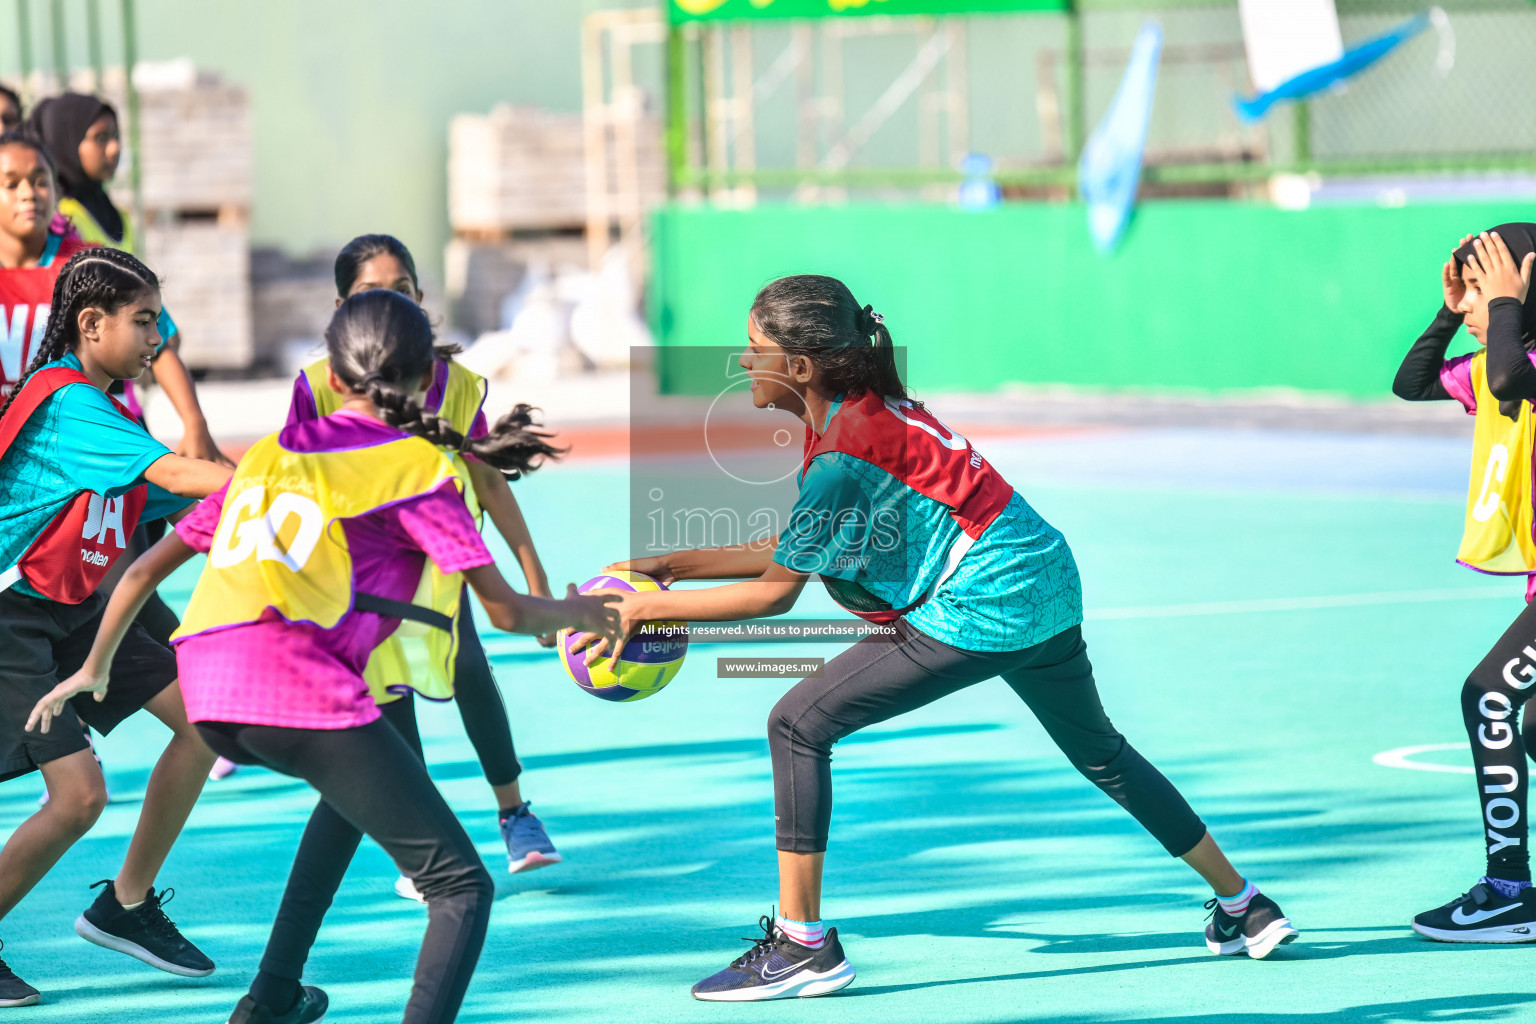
432, 666
1486, 287
77, 473
975, 585
315, 553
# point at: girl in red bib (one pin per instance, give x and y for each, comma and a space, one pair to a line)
77, 473
909, 526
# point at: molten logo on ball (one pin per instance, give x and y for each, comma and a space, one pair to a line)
649, 660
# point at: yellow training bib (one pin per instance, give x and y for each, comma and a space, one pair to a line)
90, 231
1497, 536
279, 545
413, 655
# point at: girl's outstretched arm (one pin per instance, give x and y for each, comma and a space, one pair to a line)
190, 478
512, 612
772, 593
143, 576
496, 498
737, 562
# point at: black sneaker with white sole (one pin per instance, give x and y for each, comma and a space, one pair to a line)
1256, 931
14, 991
144, 932
777, 967
1481, 915
309, 1007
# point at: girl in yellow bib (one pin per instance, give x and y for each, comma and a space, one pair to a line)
1486, 284
315, 553
448, 665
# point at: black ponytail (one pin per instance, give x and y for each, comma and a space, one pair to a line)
97, 278
380, 344
818, 317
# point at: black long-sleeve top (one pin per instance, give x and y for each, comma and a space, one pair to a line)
1511, 374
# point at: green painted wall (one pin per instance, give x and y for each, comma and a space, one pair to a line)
1208, 296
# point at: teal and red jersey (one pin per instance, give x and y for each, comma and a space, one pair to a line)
903, 517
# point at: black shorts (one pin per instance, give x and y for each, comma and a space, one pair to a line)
43, 642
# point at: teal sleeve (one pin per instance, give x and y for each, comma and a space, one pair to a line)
162, 503
828, 528
166, 326
97, 446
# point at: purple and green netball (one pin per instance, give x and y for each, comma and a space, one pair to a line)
647, 663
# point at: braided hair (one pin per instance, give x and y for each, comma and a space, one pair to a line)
380, 343
96, 278
818, 317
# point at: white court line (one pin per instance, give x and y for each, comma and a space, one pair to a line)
1399, 758
1293, 604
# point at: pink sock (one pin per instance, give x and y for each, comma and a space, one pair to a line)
1237, 905
807, 933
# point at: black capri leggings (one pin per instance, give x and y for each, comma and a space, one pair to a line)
370, 781
877, 679
1490, 708
480, 704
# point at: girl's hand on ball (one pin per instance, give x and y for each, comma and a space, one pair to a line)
622, 605
1501, 279
1451, 284
597, 616
656, 568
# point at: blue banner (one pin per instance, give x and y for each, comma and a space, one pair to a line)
1109, 172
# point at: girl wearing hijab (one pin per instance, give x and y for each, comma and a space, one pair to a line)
1486, 285
80, 134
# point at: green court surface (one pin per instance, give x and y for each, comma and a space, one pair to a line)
1267, 613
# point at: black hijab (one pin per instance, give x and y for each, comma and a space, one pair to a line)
1520, 238
61, 123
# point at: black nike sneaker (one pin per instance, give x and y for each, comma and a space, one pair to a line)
1481, 915
309, 1007
777, 967
1256, 931
144, 932
14, 991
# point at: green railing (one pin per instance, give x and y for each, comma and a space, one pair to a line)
1398, 118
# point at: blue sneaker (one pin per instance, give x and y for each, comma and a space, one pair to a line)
528, 845
777, 967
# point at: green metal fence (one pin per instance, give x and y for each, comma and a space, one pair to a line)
885, 105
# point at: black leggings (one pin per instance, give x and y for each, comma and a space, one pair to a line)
877, 679
370, 781
1490, 708
480, 704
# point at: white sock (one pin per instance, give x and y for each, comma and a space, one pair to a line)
807, 933
1237, 905
132, 906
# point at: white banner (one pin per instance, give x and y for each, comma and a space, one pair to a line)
1286, 37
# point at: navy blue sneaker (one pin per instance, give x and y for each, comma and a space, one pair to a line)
1257, 931
1482, 914
14, 991
777, 967
308, 1008
144, 932
528, 845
